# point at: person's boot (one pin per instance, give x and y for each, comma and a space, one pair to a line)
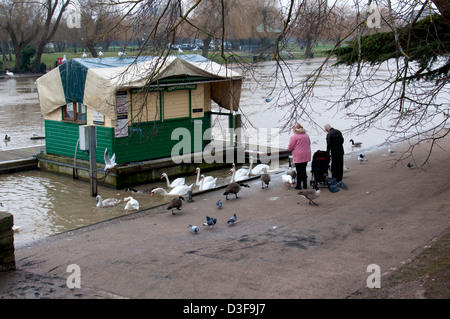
305, 185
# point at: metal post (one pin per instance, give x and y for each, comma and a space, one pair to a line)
92, 159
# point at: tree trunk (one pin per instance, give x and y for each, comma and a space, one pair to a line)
205, 49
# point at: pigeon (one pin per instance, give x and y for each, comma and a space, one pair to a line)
210, 221
110, 163
410, 165
311, 194
175, 203
193, 228
362, 158
232, 220
219, 204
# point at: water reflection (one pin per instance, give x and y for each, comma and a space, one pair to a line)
44, 204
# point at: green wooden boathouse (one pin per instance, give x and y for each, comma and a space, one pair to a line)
135, 104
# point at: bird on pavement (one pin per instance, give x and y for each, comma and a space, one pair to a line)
219, 204
193, 228
210, 221
311, 194
132, 204
362, 158
234, 188
265, 178
232, 220
175, 203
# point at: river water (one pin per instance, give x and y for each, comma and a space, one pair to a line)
44, 204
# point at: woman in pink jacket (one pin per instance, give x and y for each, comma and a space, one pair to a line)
300, 146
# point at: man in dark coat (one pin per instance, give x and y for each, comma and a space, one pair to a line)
335, 148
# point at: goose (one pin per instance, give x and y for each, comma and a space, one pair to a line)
257, 170
7, 138
287, 181
177, 191
292, 172
110, 163
234, 187
175, 203
9, 73
207, 178
265, 178
194, 228
207, 185
310, 194
232, 220
355, 144
132, 204
180, 181
109, 202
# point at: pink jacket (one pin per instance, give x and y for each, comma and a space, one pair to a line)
300, 146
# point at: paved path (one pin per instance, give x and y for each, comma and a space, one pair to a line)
280, 247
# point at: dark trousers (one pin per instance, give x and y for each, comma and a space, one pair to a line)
301, 172
337, 167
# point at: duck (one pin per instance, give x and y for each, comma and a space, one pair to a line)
206, 178
175, 203
207, 185
109, 202
7, 138
177, 182
234, 187
176, 191
141, 191
257, 170
310, 194
9, 73
265, 178
292, 172
356, 144
110, 162
287, 181
132, 204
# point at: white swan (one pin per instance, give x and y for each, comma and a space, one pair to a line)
177, 182
258, 169
132, 204
207, 185
206, 178
177, 191
242, 173
109, 202
9, 73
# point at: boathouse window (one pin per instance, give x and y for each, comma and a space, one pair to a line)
75, 112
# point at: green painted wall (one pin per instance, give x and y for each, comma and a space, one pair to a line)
145, 140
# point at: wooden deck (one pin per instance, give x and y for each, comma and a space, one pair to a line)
19, 159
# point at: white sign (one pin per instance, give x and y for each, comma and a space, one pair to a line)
121, 128
98, 118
